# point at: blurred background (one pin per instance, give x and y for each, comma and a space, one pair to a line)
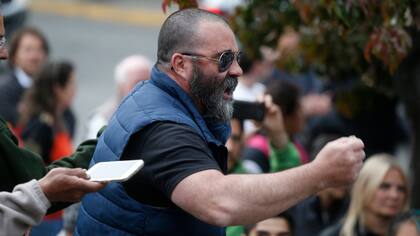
336, 68
95, 36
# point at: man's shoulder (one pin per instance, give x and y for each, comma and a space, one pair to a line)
8, 80
3, 123
163, 125
167, 130
152, 104
9, 99
166, 135
10, 89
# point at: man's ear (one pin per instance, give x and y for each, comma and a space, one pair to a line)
180, 66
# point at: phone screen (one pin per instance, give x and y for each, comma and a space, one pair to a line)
114, 170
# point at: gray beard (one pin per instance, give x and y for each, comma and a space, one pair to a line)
209, 91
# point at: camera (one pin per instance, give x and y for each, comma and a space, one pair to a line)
244, 110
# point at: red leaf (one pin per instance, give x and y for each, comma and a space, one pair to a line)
165, 5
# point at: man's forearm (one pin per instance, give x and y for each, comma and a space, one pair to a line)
245, 199
251, 198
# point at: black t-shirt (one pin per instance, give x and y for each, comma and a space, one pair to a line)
171, 152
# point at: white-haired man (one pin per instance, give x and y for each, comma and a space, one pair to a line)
130, 71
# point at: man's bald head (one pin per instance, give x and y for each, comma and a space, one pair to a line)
179, 32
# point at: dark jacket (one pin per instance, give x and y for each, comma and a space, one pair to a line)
310, 219
10, 95
17, 165
359, 230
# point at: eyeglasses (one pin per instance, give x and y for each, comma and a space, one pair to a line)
2, 42
224, 61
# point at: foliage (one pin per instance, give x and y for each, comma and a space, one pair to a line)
181, 3
366, 39
341, 39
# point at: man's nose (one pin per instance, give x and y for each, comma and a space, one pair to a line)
235, 70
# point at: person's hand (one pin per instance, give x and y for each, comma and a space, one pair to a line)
273, 123
339, 162
67, 185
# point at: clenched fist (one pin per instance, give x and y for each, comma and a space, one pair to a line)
340, 161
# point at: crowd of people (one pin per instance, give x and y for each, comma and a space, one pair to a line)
285, 175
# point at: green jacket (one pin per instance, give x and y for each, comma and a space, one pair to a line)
285, 158
19, 165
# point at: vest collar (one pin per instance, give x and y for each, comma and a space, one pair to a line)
215, 132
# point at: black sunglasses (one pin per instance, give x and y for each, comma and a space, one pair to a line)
224, 61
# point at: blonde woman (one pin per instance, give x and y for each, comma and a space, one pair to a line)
379, 194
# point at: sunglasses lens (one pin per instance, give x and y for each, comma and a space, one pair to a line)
226, 60
239, 57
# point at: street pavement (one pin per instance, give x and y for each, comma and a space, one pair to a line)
96, 35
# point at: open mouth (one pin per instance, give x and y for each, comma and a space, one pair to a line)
230, 85
228, 93
229, 90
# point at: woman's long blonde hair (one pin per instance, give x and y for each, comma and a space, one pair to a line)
370, 178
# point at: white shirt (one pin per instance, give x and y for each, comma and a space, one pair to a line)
250, 94
24, 79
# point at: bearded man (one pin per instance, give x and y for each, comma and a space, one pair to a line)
178, 123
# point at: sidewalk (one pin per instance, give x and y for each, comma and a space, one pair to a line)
142, 13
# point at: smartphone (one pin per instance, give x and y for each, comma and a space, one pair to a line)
244, 110
114, 170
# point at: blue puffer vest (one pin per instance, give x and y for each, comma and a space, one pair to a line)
111, 211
